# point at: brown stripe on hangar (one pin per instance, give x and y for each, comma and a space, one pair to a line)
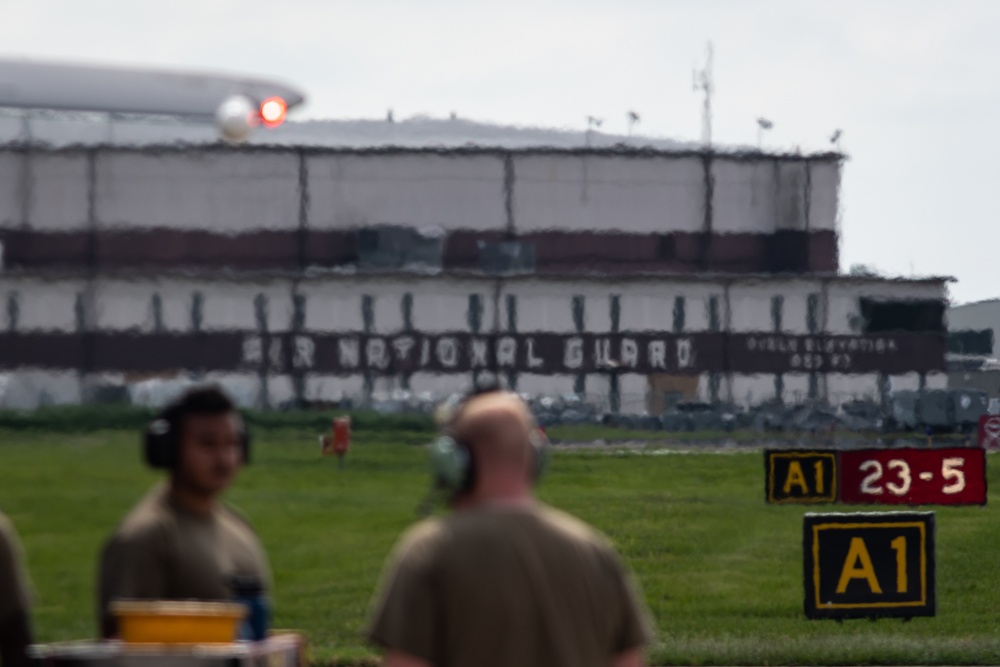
615, 252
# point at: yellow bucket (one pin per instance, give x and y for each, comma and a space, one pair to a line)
166, 622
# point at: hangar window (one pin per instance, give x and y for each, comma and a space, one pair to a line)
916, 315
506, 257
970, 341
394, 247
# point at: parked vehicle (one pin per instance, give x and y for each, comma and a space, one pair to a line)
939, 410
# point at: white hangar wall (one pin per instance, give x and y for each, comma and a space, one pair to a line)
555, 192
451, 192
977, 315
191, 190
230, 191
58, 192
390, 304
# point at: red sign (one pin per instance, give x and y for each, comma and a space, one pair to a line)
952, 476
989, 431
341, 440
341, 435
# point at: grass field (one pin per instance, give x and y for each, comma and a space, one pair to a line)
721, 570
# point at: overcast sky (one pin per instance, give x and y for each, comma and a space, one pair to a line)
913, 84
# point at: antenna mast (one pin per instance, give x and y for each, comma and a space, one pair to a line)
703, 82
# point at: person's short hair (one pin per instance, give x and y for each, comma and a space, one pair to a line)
447, 411
484, 384
196, 401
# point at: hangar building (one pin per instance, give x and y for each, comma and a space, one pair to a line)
358, 258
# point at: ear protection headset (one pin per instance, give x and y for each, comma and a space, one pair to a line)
453, 466
162, 439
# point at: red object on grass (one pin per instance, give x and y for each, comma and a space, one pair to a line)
341, 435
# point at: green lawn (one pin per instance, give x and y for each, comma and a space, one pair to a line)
722, 571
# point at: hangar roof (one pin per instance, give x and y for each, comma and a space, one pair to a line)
61, 129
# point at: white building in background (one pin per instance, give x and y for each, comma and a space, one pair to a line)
973, 331
359, 258
977, 316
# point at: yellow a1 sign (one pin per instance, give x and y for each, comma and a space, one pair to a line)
800, 476
869, 564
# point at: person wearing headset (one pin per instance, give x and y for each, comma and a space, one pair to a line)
181, 542
504, 579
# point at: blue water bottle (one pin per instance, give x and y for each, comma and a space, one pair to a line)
249, 591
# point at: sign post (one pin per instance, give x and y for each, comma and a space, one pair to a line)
869, 565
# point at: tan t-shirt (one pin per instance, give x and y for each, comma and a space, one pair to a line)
15, 589
508, 586
163, 552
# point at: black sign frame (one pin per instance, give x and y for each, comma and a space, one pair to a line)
869, 533
830, 479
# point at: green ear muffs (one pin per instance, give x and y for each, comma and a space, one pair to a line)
450, 465
453, 469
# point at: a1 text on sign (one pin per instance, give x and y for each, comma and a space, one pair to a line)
869, 564
910, 476
800, 476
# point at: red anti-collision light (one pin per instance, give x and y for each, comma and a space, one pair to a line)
273, 111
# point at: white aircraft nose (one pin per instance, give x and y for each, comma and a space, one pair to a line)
37, 85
